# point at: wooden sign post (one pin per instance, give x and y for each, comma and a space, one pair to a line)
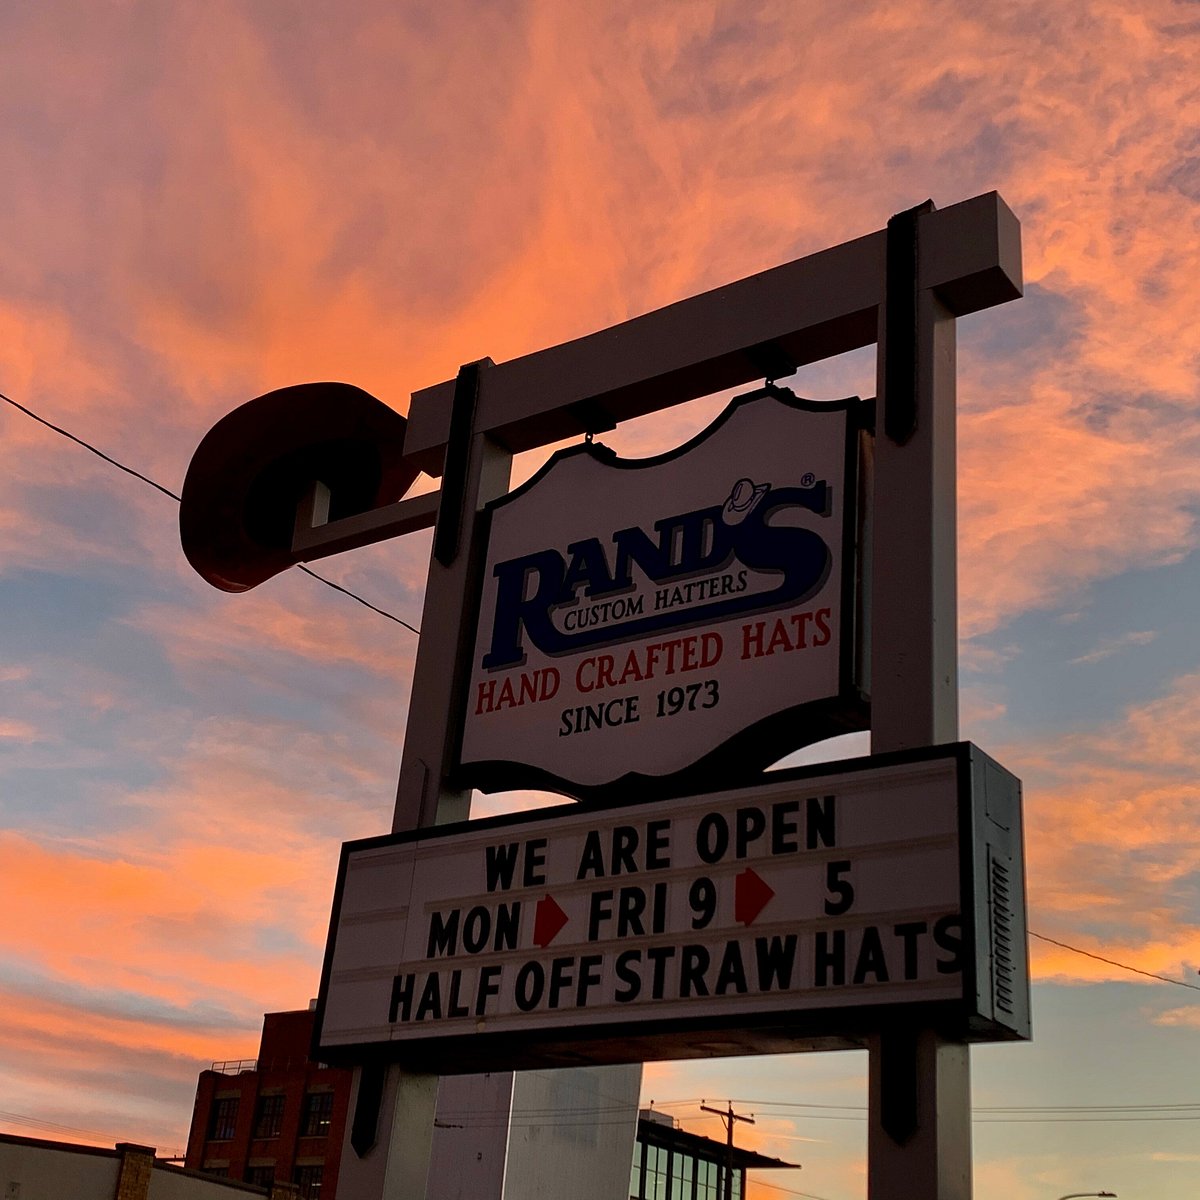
902, 288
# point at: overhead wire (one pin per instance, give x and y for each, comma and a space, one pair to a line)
983, 1114
1112, 962
337, 587
778, 1187
12, 1118
413, 629
611, 1114
88, 446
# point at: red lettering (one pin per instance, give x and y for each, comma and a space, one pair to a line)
487, 692
801, 620
779, 639
794, 632
579, 676
752, 640
824, 633
631, 669
670, 648
689, 654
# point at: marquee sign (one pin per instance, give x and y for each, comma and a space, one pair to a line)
780, 917
642, 617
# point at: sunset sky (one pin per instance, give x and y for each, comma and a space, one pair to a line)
203, 202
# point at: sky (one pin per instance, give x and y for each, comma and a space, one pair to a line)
205, 202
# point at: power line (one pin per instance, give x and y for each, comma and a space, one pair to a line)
776, 1187
87, 446
11, 1118
337, 587
607, 1115
1039, 1120
1113, 962
767, 1105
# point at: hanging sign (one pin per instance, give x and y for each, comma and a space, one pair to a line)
640, 618
784, 916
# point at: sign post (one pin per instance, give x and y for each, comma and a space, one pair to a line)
919, 1089
394, 1157
902, 288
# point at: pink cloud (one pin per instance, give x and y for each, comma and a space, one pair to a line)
14, 730
236, 205
1110, 840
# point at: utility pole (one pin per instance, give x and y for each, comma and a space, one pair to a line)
729, 1117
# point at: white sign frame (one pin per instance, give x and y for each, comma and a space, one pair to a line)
930, 839
692, 675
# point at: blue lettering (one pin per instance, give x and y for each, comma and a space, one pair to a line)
688, 544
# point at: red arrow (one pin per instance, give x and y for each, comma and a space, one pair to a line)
548, 921
750, 896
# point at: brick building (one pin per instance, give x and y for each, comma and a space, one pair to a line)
279, 1117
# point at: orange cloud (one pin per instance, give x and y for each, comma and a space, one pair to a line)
1110, 840
264, 201
17, 731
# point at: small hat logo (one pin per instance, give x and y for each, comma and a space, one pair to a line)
743, 499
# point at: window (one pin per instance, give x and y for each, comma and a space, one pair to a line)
262, 1177
268, 1119
223, 1119
635, 1175
706, 1181
683, 1168
658, 1161
308, 1179
215, 1172
318, 1108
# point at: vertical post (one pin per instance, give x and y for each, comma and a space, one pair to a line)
135, 1171
919, 1140
477, 471
729, 1117
914, 573
396, 1164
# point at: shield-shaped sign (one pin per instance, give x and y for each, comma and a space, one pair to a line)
643, 623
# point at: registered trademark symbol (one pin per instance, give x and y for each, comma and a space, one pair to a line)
808, 479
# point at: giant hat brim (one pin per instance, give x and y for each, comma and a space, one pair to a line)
238, 508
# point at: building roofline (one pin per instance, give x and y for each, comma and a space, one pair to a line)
19, 1139
656, 1133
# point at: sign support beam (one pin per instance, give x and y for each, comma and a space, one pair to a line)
919, 1139
396, 1168
422, 797
804, 311
965, 258
478, 471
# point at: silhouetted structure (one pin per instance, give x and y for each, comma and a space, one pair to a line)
35, 1168
278, 1117
282, 1117
672, 1164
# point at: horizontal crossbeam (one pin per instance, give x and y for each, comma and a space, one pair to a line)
766, 325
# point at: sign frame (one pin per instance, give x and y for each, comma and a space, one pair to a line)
754, 746
991, 1007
